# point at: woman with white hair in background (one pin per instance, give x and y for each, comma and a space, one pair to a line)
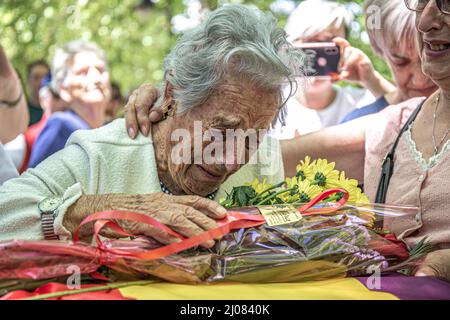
394, 40
319, 103
81, 79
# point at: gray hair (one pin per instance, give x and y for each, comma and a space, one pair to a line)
234, 39
314, 16
63, 58
396, 24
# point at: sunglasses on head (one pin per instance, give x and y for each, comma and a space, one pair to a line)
420, 5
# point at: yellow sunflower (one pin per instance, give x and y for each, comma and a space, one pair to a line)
292, 182
307, 191
351, 186
291, 196
360, 197
323, 174
356, 196
288, 197
352, 182
259, 186
304, 168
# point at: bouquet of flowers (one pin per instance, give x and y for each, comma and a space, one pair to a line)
315, 225
311, 179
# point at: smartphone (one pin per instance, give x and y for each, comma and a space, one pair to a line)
321, 59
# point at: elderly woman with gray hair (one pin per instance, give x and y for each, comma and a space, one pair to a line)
222, 76
81, 79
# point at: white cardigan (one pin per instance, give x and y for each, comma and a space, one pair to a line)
101, 161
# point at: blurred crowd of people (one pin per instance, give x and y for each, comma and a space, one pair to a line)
74, 93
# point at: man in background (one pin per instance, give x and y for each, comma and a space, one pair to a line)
50, 102
36, 71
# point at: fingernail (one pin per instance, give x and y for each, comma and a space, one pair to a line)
153, 116
131, 132
222, 210
144, 130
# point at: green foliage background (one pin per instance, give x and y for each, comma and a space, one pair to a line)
135, 43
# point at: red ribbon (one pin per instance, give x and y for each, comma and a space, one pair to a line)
233, 220
53, 287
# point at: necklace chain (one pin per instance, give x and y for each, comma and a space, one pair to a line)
438, 146
166, 190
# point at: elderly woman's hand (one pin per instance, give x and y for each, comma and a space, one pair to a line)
140, 112
355, 66
187, 215
436, 264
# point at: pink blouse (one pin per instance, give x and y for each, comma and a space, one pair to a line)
424, 183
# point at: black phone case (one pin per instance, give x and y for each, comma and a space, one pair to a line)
321, 61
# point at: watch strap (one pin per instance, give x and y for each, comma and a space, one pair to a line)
47, 221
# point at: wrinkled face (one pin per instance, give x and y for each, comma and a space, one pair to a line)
327, 35
88, 79
434, 44
204, 129
405, 64
35, 77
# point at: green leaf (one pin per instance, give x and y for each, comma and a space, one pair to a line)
241, 197
421, 248
249, 191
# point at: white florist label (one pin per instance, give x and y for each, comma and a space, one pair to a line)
279, 215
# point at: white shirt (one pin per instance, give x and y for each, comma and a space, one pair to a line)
7, 169
301, 120
16, 150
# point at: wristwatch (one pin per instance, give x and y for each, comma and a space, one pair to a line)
48, 208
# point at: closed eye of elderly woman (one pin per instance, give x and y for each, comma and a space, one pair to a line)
224, 74
420, 176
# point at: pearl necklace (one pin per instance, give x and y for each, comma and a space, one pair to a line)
437, 146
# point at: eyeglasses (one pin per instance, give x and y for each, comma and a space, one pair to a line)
420, 5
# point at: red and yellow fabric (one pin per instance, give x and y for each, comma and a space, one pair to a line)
347, 288
391, 287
